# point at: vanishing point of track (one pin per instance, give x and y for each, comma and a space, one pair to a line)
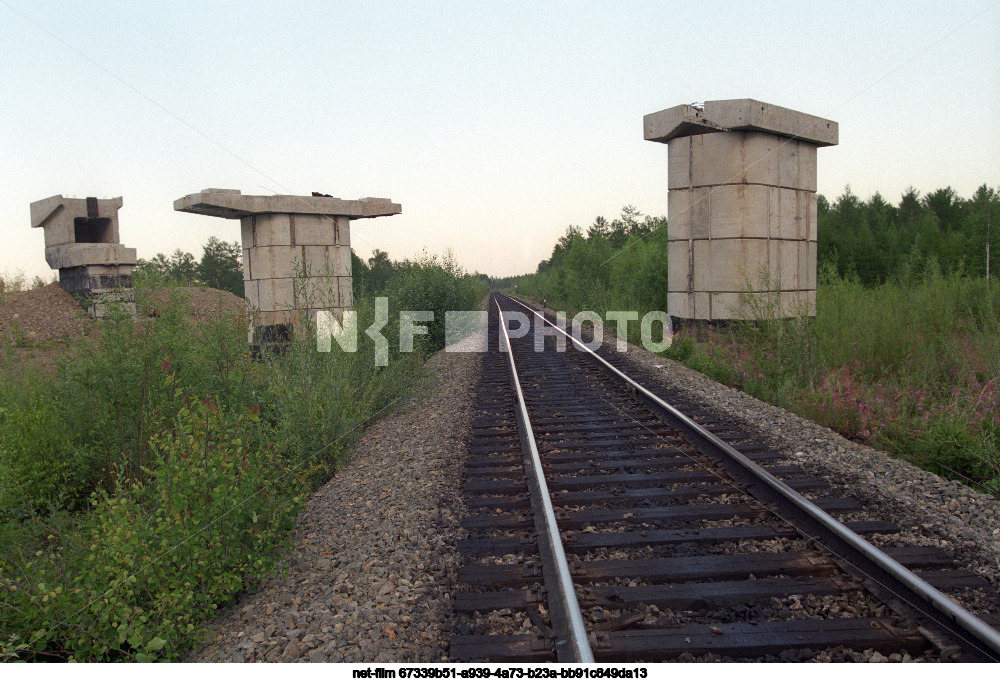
612, 522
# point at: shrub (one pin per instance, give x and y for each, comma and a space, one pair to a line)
136, 577
40, 462
437, 285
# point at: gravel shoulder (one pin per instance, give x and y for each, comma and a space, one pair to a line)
371, 575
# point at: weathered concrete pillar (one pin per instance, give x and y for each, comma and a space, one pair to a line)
81, 241
741, 186
296, 251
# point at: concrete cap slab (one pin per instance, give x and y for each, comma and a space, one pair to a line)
739, 114
230, 203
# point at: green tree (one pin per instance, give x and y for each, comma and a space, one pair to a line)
380, 271
180, 267
221, 266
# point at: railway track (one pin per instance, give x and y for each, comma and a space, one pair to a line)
606, 523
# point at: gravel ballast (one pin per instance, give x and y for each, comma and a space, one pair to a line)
372, 571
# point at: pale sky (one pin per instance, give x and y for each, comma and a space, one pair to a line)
495, 125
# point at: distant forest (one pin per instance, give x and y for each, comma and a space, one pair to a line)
878, 242
621, 263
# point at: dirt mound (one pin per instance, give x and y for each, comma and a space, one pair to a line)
202, 303
48, 313
44, 314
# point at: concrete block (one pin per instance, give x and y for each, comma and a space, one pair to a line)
798, 303
679, 163
246, 232
700, 213
802, 261
251, 293
724, 158
783, 265
791, 225
803, 204
312, 293
774, 212
734, 158
760, 156
691, 214
327, 261
265, 295
738, 211
346, 292
318, 260
59, 233
679, 266
787, 213
728, 306
756, 305
284, 294
272, 229
807, 167
345, 263
679, 305
679, 214
343, 231
246, 265
809, 301
274, 262
812, 253
44, 210
787, 153
276, 294
313, 230
788, 265
701, 305
728, 264
102, 305
813, 218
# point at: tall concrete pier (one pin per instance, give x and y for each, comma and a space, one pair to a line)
296, 251
741, 183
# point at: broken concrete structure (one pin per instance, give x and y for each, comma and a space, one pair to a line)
81, 241
296, 251
741, 183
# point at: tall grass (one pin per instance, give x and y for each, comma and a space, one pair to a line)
911, 368
158, 472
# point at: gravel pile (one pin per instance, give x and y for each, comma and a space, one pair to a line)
201, 303
372, 573
44, 314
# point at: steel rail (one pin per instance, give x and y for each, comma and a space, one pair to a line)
969, 622
575, 645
